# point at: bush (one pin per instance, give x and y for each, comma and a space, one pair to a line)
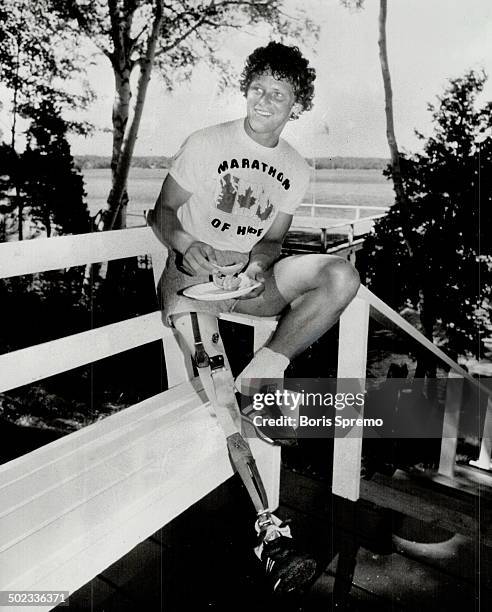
448, 188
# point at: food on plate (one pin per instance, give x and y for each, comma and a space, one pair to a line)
226, 277
232, 282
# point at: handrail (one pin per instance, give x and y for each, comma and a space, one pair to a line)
28, 365
347, 206
313, 206
320, 222
398, 320
43, 254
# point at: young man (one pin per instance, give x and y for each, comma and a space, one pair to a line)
230, 197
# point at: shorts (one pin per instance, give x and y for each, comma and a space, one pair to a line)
174, 280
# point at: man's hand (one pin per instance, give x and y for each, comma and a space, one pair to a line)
256, 272
198, 259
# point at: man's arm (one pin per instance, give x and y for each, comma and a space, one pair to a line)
167, 227
266, 252
164, 219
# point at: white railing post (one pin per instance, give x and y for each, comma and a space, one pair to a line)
483, 461
313, 187
452, 408
179, 367
324, 238
352, 362
350, 240
351, 233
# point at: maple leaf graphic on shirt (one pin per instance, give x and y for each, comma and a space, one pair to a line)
263, 216
246, 199
227, 196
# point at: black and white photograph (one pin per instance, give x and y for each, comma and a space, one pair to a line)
246, 295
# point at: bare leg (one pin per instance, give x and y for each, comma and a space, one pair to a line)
325, 295
316, 287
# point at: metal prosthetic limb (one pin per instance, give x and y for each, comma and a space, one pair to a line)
217, 383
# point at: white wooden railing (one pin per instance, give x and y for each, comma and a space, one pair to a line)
74, 506
324, 222
352, 361
359, 224
71, 508
358, 208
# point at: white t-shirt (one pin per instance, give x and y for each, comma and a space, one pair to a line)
237, 185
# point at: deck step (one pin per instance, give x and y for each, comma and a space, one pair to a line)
410, 585
433, 502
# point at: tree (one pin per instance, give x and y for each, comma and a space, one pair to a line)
53, 188
449, 189
38, 62
9, 201
172, 37
390, 125
47, 183
401, 206
388, 96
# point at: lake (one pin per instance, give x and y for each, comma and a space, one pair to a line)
338, 187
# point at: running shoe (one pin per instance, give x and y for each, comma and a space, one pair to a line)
288, 570
275, 424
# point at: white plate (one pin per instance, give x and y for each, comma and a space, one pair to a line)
209, 292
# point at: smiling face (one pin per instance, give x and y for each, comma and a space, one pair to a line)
269, 104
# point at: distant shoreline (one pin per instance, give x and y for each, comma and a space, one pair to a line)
87, 162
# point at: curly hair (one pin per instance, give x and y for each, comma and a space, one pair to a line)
284, 63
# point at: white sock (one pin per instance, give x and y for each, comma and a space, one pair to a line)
265, 364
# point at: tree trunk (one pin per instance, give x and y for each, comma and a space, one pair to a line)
20, 213
424, 367
390, 128
118, 198
120, 115
388, 96
13, 134
47, 223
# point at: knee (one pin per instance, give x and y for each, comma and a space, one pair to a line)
340, 278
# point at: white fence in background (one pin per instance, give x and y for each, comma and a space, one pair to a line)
328, 220
358, 208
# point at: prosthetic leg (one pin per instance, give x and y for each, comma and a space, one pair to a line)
218, 383
286, 568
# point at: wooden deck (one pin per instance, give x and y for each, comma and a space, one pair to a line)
203, 560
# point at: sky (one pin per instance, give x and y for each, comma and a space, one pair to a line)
429, 41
